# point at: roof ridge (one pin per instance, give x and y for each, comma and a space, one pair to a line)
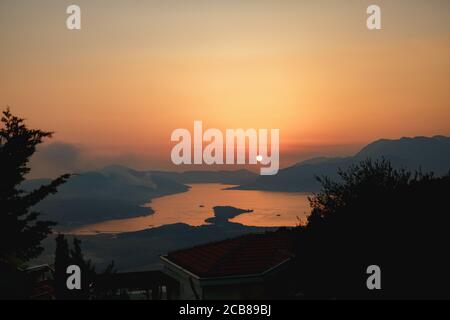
247, 254
201, 245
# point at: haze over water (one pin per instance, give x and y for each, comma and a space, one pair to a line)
271, 209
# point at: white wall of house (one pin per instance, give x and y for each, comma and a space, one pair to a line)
226, 288
187, 286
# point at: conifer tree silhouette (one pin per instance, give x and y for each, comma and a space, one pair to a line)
21, 232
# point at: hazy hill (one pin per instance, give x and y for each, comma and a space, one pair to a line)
429, 154
111, 193
116, 192
432, 154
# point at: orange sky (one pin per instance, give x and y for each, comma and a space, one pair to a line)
139, 69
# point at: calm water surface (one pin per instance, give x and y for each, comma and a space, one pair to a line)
271, 209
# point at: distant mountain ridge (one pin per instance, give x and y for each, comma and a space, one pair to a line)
111, 193
430, 154
117, 192
236, 177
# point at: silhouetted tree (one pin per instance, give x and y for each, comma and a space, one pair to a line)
62, 261
100, 293
21, 232
87, 270
66, 256
377, 215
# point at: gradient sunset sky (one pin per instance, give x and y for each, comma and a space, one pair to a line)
140, 69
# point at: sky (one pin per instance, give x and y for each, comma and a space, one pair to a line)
137, 70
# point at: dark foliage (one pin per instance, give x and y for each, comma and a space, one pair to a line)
66, 256
21, 232
377, 216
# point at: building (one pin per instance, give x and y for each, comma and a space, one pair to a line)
255, 266
145, 285
43, 282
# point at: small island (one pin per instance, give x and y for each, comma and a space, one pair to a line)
224, 213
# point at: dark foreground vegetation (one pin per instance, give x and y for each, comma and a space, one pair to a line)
21, 232
377, 215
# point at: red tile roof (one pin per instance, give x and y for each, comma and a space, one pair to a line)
247, 255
